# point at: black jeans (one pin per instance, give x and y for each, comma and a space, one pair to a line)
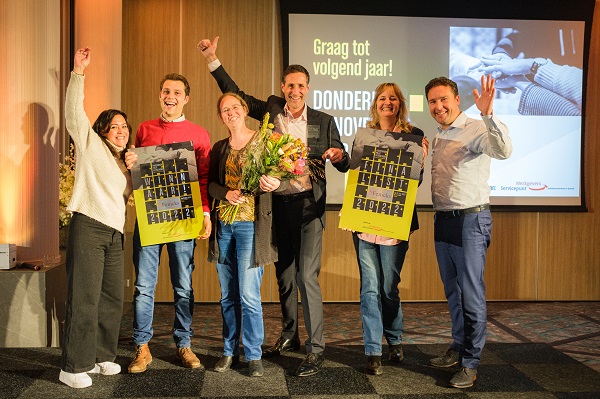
94, 294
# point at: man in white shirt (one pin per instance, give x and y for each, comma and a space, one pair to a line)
461, 155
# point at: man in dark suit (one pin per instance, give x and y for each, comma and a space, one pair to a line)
298, 205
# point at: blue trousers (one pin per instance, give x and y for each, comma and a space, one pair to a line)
461, 245
380, 308
240, 290
181, 265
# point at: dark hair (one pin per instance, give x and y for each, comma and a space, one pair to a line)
441, 81
234, 95
294, 69
176, 76
102, 126
401, 117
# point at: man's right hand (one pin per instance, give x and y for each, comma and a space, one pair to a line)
208, 48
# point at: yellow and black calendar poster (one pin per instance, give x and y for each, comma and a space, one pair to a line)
381, 189
167, 193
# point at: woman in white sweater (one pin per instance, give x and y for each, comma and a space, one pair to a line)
95, 248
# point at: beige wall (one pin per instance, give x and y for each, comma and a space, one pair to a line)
533, 256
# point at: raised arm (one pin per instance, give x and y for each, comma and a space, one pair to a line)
77, 123
208, 48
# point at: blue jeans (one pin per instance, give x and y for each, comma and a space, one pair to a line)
181, 264
462, 267
240, 290
380, 267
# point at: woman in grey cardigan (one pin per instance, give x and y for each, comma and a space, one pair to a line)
241, 244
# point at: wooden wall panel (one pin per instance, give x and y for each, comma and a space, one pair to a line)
533, 256
151, 32
510, 272
569, 257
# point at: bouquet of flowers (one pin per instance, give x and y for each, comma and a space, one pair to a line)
273, 154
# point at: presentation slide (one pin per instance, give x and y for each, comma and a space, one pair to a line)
349, 55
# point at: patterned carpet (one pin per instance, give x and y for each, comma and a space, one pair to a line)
534, 350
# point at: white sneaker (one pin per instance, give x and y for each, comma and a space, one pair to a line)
75, 380
106, 368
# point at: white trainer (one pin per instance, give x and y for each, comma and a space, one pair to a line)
75, 380
106, 368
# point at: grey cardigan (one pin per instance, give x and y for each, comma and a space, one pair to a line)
265, 245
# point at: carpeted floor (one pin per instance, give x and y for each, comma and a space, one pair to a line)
534, 350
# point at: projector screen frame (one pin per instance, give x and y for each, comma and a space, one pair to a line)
553, 10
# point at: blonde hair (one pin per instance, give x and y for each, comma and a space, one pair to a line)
401, 117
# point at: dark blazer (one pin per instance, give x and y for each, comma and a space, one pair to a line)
265, 245
326, 137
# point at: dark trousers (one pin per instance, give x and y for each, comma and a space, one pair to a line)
299, 240
94, 294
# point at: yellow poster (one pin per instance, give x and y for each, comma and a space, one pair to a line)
167, 193
381, 190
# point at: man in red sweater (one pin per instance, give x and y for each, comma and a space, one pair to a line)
170, 127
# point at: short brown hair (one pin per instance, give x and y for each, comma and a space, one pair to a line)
441, 81
176, 76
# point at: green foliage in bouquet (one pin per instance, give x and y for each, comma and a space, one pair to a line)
273, 154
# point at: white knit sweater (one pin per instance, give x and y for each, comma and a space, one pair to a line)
101, 186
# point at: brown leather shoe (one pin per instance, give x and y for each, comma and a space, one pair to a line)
374, 365
396, 353
141, 360
188, 358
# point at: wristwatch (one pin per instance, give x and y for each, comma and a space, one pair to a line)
537, 62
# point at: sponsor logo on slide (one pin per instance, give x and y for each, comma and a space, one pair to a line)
532, 185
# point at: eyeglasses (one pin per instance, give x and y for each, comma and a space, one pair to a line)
234, 108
